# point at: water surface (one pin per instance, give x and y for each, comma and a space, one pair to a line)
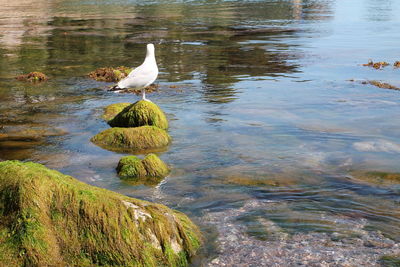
257, 94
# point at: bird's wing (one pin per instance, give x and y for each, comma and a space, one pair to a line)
143, 69
134, 72
138, 77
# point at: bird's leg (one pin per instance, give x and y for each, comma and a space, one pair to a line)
144, 95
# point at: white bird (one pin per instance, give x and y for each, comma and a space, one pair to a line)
142, 76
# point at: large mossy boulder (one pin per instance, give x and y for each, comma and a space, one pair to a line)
138, 139
51, 219
149, 171
112, 110
139, 114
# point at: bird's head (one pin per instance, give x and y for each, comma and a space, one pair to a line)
150, 50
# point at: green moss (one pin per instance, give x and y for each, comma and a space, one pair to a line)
138, 139
51, 219
139, 114
390, 260
154, 166
149, 171
112, 110
131, 166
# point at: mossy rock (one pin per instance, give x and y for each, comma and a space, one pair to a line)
139, 114
138, 139
33, 77
112, 110
51, 219
149, 171
110, 74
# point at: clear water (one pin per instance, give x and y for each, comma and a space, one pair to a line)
263, 109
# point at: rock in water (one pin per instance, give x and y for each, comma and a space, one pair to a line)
136, 139
139, 114
51, 219
32, 77
112, 110
149, 171
110, 74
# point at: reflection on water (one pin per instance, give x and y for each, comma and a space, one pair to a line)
256, 93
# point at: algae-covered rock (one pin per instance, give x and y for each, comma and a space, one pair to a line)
136, 139
112, 110
390, 260
51, 219
149, 171
110, 74
32, 77
377, 177
139, 114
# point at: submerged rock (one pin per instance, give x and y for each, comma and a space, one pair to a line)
136, 139
112, 110
51, 219
110, 74
32, 77
390, 260
150, 171
139, 114
377, 177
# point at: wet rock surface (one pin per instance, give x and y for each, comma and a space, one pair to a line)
236, 247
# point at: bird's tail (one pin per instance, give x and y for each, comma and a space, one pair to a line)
115, 88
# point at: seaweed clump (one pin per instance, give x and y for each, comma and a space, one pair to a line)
377, 177
376, 65
110, 74
51, 219
150, 171
381, 85
139, 114
33, 77
137, 139
149, 89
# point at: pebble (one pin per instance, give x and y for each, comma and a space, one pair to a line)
236, 248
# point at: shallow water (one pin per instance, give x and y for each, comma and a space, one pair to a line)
263, 109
